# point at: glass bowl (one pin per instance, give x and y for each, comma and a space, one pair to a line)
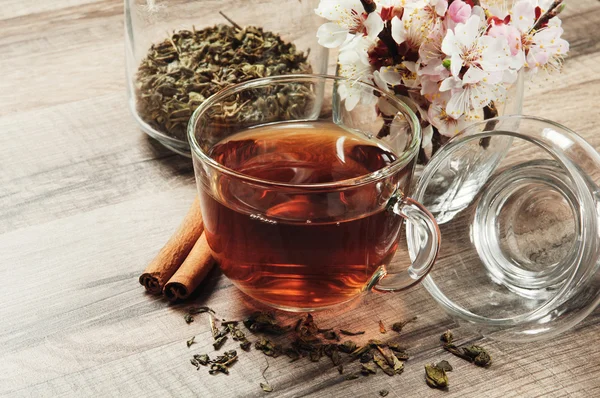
160, 104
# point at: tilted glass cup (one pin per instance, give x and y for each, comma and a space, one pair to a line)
311, 259
522, 255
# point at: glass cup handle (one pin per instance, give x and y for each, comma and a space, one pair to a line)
427, 237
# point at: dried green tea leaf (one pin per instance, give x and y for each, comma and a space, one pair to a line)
265, 322
435, 377
366, 357
190, 341
266, 387
331, 335
340, 368
195, 363
453, 349
188, 318
268, 348
348, 333
202, 359
397, 327
483, 359
218, 368
375, 343
444, 365
352, 376
382, 363
383, 393
361, 350
245, 345
398, 365
219, 342
447, 337
368, 368
199, 310
387, 354
324, 330
335, 358
382, 327
347, 346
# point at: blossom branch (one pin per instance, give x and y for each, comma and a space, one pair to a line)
553, 11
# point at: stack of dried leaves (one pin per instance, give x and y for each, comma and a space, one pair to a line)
185, 69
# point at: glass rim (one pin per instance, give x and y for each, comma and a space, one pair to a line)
403, 158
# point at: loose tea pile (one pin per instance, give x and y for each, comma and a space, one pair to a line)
307, 340
185, 69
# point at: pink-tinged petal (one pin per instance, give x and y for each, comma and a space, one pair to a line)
441, 7
374, 25
459, 11
451, 83
510, 33
331, 35
398, 32
523, 15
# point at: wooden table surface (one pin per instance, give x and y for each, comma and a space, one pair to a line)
86, 200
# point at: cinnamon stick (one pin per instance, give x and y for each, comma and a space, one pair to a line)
191, 273
172, 255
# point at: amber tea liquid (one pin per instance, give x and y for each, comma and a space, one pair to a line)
294, 248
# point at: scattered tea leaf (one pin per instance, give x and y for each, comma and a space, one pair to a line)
397, 327
268, 348
352, 376
361, 350
382, 327
382, 363
447, 337
218, 368
190, 341
340, 368
219, 342
347, 346
188, 318
199, 310
202, 359
368, 368
383, 393
265, 322
331, 335
444, 365
266, 387
366, 357
335, 358
245, 345
483, 359
435, 377
348, 333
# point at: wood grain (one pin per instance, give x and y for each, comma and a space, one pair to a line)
86, 201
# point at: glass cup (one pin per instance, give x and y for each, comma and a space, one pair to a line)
305, 246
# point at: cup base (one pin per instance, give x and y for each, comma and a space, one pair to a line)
524, 229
